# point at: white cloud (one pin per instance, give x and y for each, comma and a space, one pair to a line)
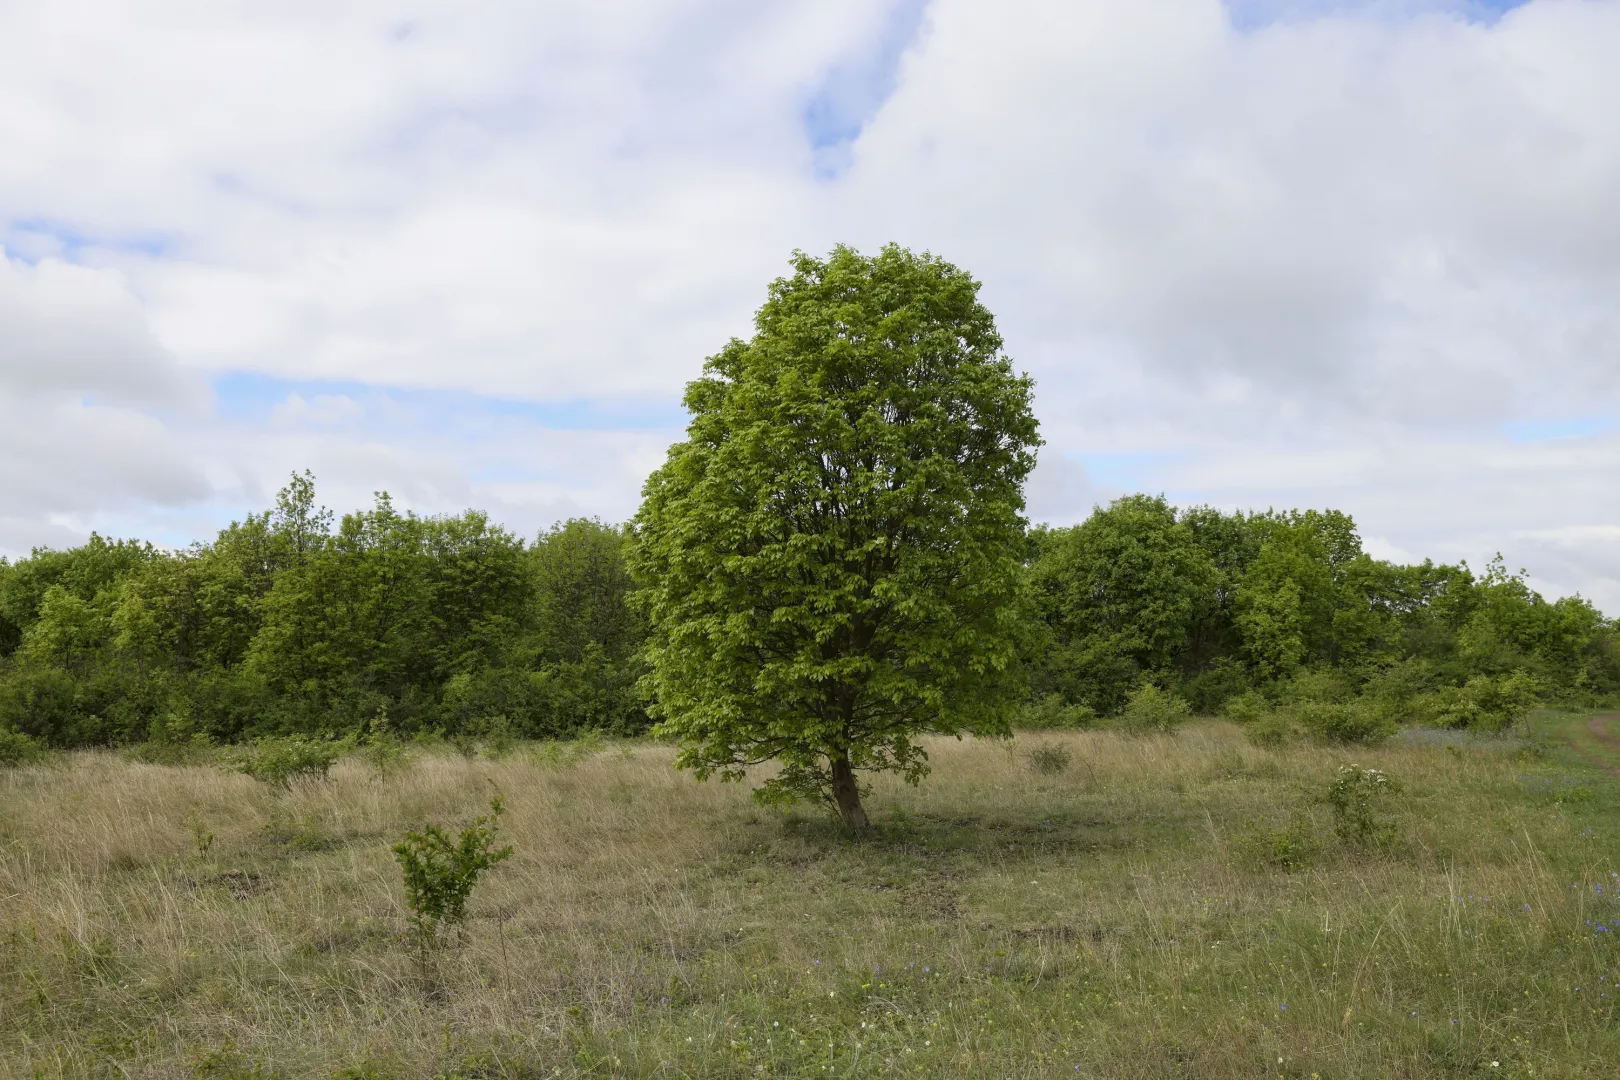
77, 366
1344, 219
72, 329
1323, 259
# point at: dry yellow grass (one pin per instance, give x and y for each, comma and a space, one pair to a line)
1116, 919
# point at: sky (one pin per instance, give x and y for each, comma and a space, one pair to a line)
1262, 253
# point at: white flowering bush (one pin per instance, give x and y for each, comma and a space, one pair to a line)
1359, 799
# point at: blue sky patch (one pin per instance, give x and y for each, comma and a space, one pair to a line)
32, 239
249, 397
1126, 469
1256, 14
853, 91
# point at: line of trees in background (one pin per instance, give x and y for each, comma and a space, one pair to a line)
292, 622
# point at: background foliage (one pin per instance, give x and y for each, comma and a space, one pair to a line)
297, 622
294, 622
1255, 614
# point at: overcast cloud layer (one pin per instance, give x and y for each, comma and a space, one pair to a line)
1364, 255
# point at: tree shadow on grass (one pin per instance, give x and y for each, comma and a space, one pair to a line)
930, 836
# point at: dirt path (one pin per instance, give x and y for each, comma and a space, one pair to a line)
1598, 728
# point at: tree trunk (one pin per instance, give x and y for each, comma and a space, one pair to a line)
846, 793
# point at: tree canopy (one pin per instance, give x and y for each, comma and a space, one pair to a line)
831, 562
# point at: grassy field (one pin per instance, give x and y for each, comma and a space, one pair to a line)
1173, 906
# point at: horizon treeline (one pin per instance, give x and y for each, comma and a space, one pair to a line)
293, 623
1283, 613
296, 622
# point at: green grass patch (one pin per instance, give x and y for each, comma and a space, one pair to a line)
1064, 904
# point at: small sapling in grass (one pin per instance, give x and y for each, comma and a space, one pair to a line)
497, 738
1050, 759
440, 873
382, 749
201, 834
385, 754
279, 761
1290, 848
1358, 798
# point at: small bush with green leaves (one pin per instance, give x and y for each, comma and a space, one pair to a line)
381, 747
1293, 847
1316, 685
440, 873
497, 737
195, 750
1344, 722
1053, 713
568, 752
279, 761
1490, 703
201, 834
1359, 799
1050, 759
1271, 730
386, 754
1247, 707
1150, 709
307, 834
18, 749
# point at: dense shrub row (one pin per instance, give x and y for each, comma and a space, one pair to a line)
293, 623
1283, 621
290, 622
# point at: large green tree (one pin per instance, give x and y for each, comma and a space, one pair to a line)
832, 559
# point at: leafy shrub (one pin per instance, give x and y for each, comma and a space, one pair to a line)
171, 740
192, 751
1291, 848
306, 834
382, 748
1209, 690
1344, 722
279, 761
561, 699
1053, 713
1150, 709
201, 835
1359, 798
1246, 707
492, 736
567, 752
464, 743
440, 874
1317, 685
18, 749
1050, 759
1271, 730
386, 754
1492, 703
42, 703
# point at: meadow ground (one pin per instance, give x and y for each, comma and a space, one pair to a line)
1169, 906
